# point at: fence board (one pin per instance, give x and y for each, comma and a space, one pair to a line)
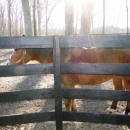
63, 41
22, 70
27, 95
94, 94
77, 93
95, 41
57, 84
27, 118
80, 68
96, 68
26, 42
67, 116
97, 118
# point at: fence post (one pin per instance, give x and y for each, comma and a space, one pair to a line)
57, 83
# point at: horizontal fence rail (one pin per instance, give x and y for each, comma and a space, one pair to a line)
120, 41
26, 42
67, 116
96, 118
96, 68
66, 68
31, 94
77, 93
56, 43
27, 118
95, 41
22, 70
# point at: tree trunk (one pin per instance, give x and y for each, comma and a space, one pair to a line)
34, 18
76, 22
39, 18
86, 17
127, 17
46, 17
69, 17
103, 29
27, 18
9, 18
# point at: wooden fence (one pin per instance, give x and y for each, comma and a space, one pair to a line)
56, 68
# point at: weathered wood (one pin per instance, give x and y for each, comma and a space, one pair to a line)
27, 95
96, 68
119, 41
94, 94
77, 93
86, 68
97, 118
67, 116
57, 84
27, 118
26, 42
58, 92
22, 70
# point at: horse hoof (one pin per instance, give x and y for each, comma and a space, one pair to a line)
109, 110
73, 109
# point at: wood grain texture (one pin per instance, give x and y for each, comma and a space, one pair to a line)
27, 118
109, 41
57, 84
26, 42
96, 68
97, 118
22, 70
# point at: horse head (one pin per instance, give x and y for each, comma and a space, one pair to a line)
19, 56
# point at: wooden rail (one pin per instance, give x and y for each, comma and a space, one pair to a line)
58, 68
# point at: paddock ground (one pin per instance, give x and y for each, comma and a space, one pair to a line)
46, 81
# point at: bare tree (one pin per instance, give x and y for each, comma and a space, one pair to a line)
103, 29
127, 14
47, 7
27, 17
39, 17
2, 19
16, 17
34, 18
86, 16
10, 2
69, 17
76, 20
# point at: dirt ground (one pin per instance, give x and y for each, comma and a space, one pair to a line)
46, 81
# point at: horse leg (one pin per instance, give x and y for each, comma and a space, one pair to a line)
126, 80
73, 105
67, 82
68, 104
117, 81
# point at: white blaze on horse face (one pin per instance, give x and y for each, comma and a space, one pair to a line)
17, 57
76, 52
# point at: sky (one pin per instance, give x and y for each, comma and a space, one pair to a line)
115, 13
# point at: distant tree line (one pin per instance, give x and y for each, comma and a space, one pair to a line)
32, 18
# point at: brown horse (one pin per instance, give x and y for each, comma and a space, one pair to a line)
80, 55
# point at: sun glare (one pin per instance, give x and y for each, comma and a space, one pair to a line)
115, 13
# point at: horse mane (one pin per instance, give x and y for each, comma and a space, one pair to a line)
41, 51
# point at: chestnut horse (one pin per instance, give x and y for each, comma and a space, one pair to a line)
80, 55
